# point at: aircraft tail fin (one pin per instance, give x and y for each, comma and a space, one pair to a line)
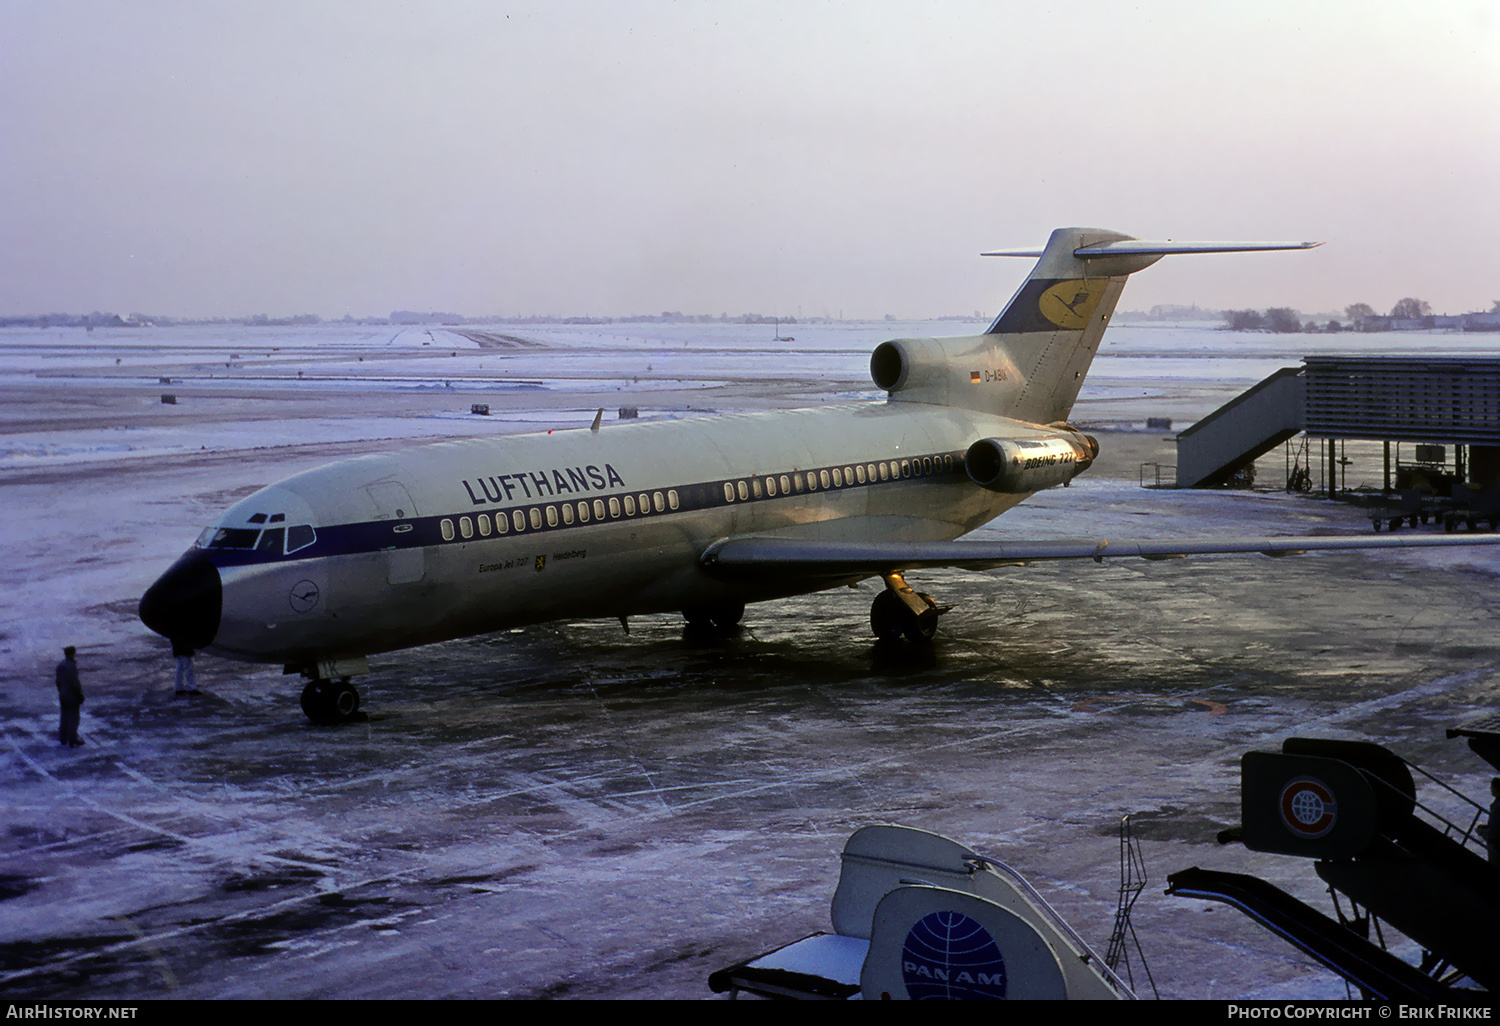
1030, 363
1051, 328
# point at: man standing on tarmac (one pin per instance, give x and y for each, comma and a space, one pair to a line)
187, 682
70, 696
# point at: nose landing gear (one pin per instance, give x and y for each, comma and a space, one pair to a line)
330, 701
899, 611
328, 696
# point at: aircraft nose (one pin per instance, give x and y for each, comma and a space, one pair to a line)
185, 602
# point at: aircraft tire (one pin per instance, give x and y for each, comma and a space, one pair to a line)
888, 617
344, 700
728, 616
720, 619
317, 702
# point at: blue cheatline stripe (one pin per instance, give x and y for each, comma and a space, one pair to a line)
379, 535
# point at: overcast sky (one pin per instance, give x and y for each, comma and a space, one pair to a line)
619, 157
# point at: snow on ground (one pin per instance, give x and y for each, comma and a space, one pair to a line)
573, 810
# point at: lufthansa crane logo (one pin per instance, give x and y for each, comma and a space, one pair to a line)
1308, 808
304, 596
1070, 304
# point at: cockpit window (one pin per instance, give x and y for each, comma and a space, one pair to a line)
299, 536
270, 541
235, 538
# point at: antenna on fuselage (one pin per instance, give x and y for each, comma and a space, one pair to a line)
598, 419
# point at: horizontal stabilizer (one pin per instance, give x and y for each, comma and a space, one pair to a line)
752, 555
1142, 247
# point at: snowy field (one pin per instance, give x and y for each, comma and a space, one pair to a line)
571, 811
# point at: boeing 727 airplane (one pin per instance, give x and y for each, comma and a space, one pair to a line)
458, 538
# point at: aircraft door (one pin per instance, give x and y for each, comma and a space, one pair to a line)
403, 564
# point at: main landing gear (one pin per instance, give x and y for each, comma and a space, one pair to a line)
330, 701
899, 611
715, 619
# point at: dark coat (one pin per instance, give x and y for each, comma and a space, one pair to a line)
69, 690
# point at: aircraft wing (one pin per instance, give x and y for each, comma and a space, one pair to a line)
766, 556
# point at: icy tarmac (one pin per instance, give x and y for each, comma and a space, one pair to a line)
571, 811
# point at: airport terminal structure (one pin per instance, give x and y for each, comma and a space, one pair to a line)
1430, 403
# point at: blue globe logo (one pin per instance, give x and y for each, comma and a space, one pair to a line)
950, 957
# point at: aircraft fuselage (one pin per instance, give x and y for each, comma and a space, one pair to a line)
466, 537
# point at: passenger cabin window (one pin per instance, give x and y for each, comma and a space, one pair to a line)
484, 525
859, 474
614, 507
823, 478
771, 486
447, 528
786, 485
755, 487
630, 505
838, 478
645, 501
551, 516
583, 512
502, 523
905, 468
658, 501
299, 537
466, 527
743, 489
598, 509
884, 474
728, 492
270, 541
519, 519
536, 519
672, 500
567, 514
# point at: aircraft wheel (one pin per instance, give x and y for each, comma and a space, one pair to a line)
1376, 525
922, 627
889, 617
727, 617
317, 701
721, 619
344, 700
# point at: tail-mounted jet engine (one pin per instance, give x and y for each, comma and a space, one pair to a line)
1022, 465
